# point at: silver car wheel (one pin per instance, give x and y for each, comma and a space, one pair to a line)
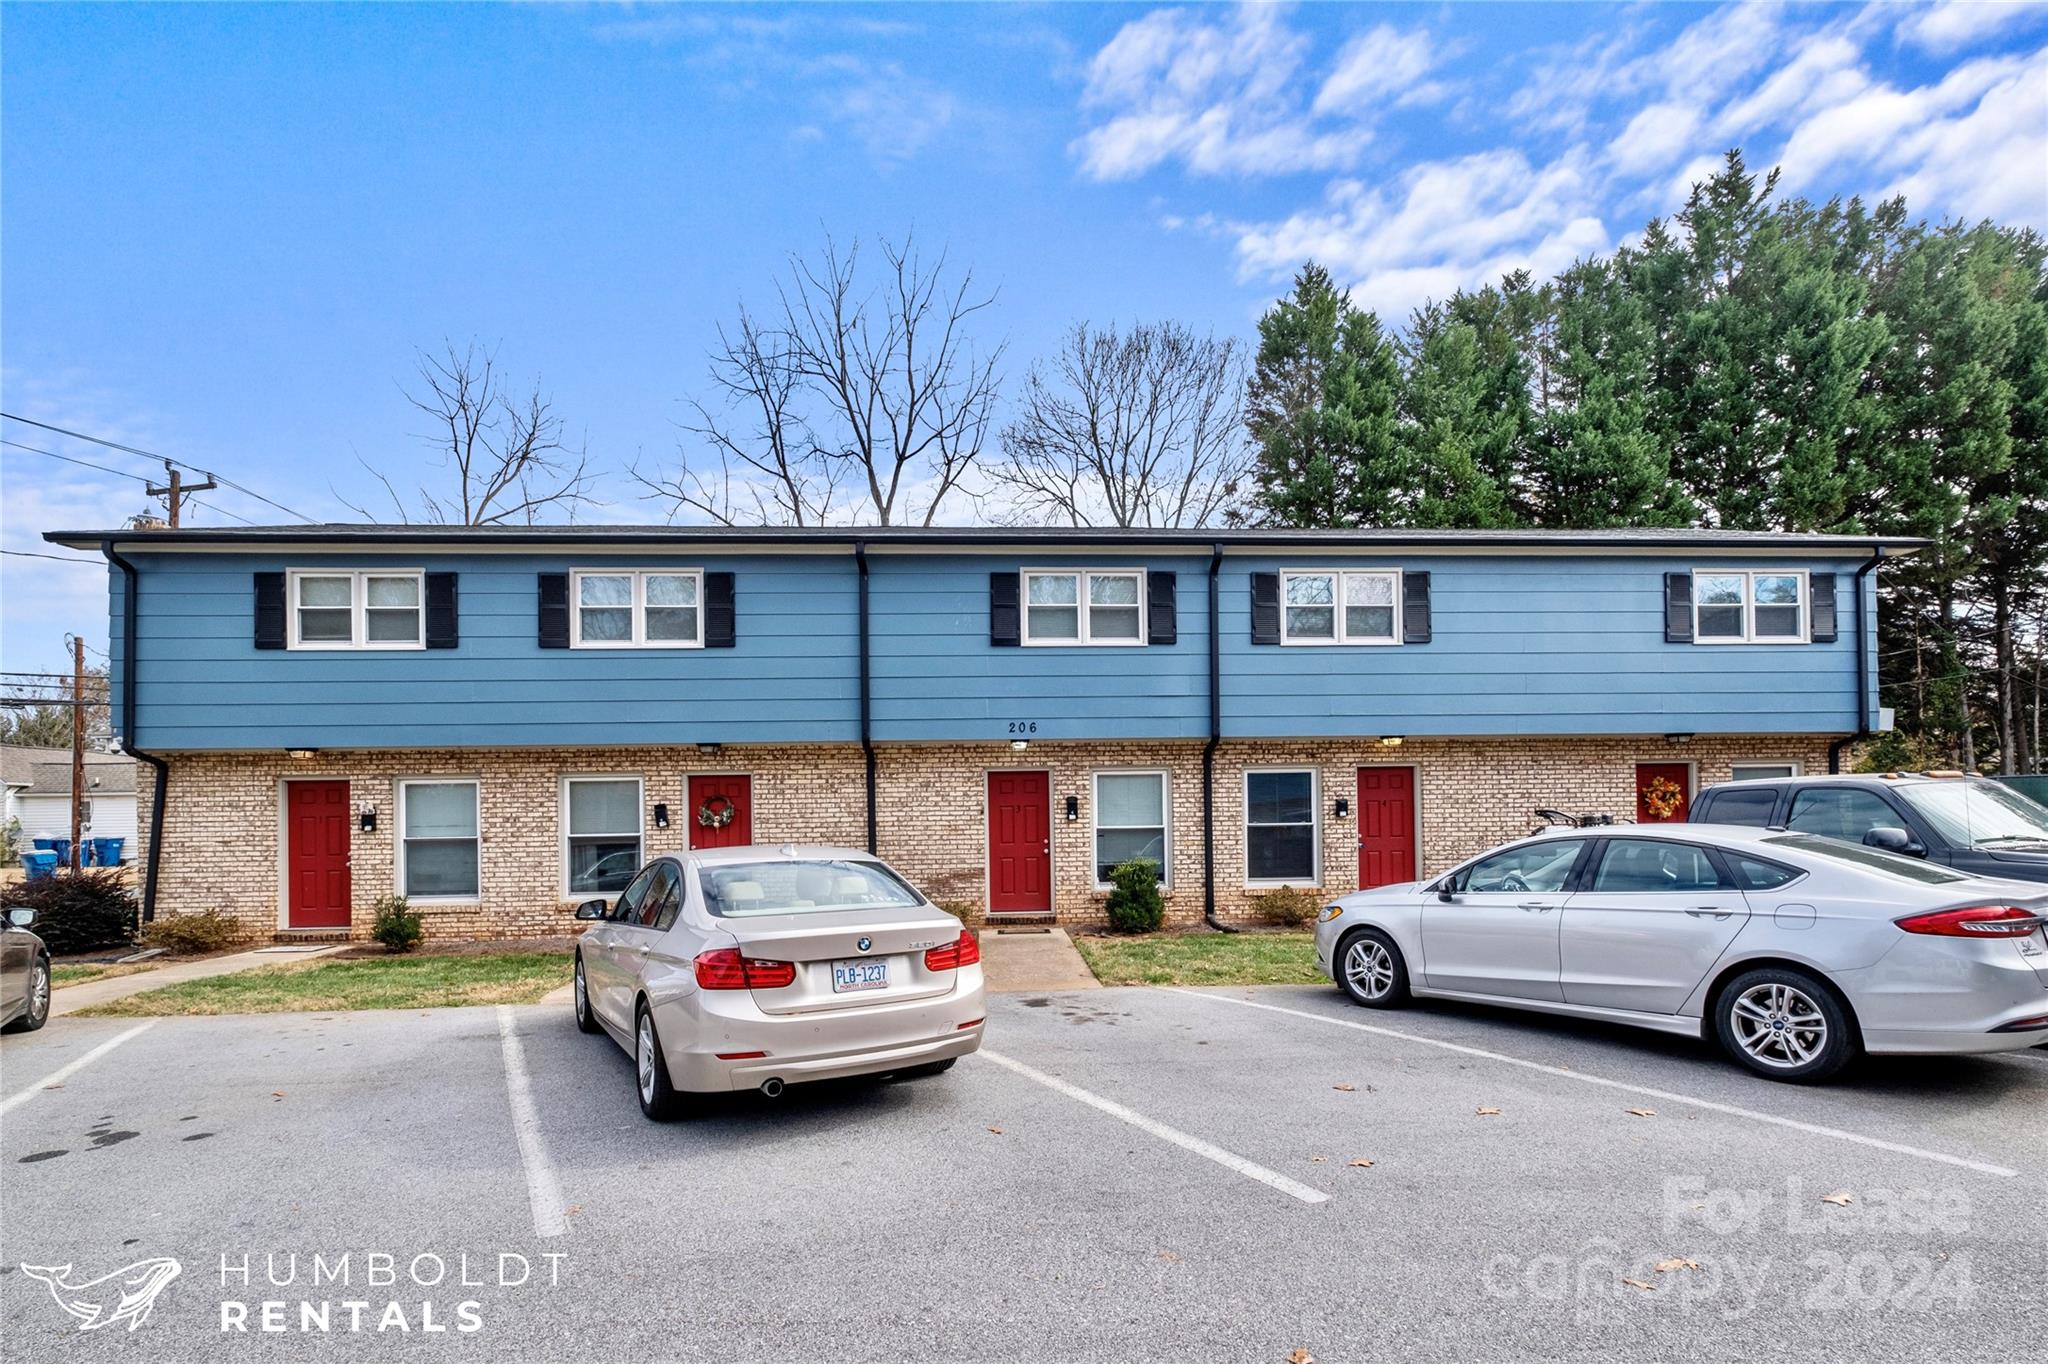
38, 991
1370, 968
582, 994
1779, 1025
643, 1057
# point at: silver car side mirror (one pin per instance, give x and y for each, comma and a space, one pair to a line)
593, 909
21, 916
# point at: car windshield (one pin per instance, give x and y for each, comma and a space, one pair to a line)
735, 890
1983, 813
1871, 859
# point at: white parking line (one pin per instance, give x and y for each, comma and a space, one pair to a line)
65, 1072
1666, 1095
1249, 1169
543, 1190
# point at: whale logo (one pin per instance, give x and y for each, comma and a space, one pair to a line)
124, 1295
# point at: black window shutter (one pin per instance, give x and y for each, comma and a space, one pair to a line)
1823, 608
1265, 608
270, 610
1002, 609
1162, 607
721, 620
554, 610
1415, 627
442, 632
1678, 608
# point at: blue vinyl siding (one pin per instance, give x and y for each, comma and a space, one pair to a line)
1524, 643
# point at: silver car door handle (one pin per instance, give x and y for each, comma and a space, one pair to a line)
1535, 907
1714, 911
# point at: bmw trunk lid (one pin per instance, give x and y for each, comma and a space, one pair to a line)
848, 959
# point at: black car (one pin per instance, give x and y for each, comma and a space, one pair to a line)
24, 973
1974, 825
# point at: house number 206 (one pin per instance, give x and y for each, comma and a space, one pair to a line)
1023, 726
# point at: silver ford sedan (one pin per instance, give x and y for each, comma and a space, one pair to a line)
756, 968
1794, 951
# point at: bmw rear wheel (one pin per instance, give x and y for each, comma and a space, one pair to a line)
1371, 970
650, 1070
1785, 1025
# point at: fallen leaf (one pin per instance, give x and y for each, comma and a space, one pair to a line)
1638, 1283
1486, 1112
1301, 1356
1361, 1164
1168, 1257
572, 1210
277, 1094
1641, 1112
1319, 1160
1665, 1266
58, 1085
1345, 1088
1840, 1200
997, 1130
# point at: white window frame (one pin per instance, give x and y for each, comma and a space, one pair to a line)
476, 787
1084, 608
1165, 813
1749, 577
637, 608
640, 825
1315, 824
1342, 638
1791, 765
358, 596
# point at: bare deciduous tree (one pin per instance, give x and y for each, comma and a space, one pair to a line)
864, 398
1135, 428
510, 462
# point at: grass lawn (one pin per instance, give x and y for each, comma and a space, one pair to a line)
1204, 959
421, 982
63, 973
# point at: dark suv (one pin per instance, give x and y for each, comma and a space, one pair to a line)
1973, 825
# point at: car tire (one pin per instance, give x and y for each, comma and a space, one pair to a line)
36, 1011
1785, 1024
586, 1021
930, 1068
658, 1098
1371, 970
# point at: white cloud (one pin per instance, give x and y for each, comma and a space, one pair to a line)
1380, 66
891, 113
1954, 24
1654, 137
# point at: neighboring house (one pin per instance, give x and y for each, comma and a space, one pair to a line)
502, 722
38, 782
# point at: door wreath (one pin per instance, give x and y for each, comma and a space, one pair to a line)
1662, 797
716, 812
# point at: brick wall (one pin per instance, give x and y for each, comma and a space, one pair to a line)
223, 846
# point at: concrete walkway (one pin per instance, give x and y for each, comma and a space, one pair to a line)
69, 999
1033, 959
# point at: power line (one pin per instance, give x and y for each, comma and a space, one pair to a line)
60, 558
151, 454
81, 463
196, 502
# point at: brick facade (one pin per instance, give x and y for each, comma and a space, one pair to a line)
224, 830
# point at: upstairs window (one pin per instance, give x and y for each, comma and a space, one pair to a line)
1084, 607
356, 609
1340, 608
1749, 608
637, 609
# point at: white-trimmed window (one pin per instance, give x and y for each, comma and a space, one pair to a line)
438, 847
1130, 821
1749, 607
373, 608
636, 608
1762, 771
1280, 834
600, 833
1333, 607
1084, 606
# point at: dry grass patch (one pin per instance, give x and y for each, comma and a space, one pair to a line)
1203, 959
323, 986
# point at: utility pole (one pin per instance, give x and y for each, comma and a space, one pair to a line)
176, 490
77, 749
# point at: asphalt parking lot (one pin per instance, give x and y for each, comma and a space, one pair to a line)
1124, 1175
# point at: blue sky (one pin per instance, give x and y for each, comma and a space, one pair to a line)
227, 227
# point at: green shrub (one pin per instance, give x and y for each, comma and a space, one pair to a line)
185, 934
1134, 905
963, 910
1287, 906
397, 924
78, 911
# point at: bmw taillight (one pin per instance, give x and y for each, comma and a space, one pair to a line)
725, 969
1978, 921
962, 951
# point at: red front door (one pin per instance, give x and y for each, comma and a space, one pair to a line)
1019, 842
1663, 793
716, 799
316, 854
1386, 826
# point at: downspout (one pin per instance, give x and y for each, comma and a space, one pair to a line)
1209, 752
1862, 670
867, 738
129, 608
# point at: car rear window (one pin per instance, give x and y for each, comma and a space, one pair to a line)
1756, 874
1752, 807
1871, 859
738, 890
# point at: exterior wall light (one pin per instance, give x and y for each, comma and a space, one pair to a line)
1678, 738
367, 820
661, 816
301, 754
1343, 808
1020, 744
1073, 808
710, 750
1390, 740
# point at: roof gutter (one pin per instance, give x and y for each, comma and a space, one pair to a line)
1209, 751
867, 736
129, 608
1863, 730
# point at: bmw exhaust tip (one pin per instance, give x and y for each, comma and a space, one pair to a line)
771, 1088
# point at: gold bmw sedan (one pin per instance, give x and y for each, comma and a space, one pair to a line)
757, 968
